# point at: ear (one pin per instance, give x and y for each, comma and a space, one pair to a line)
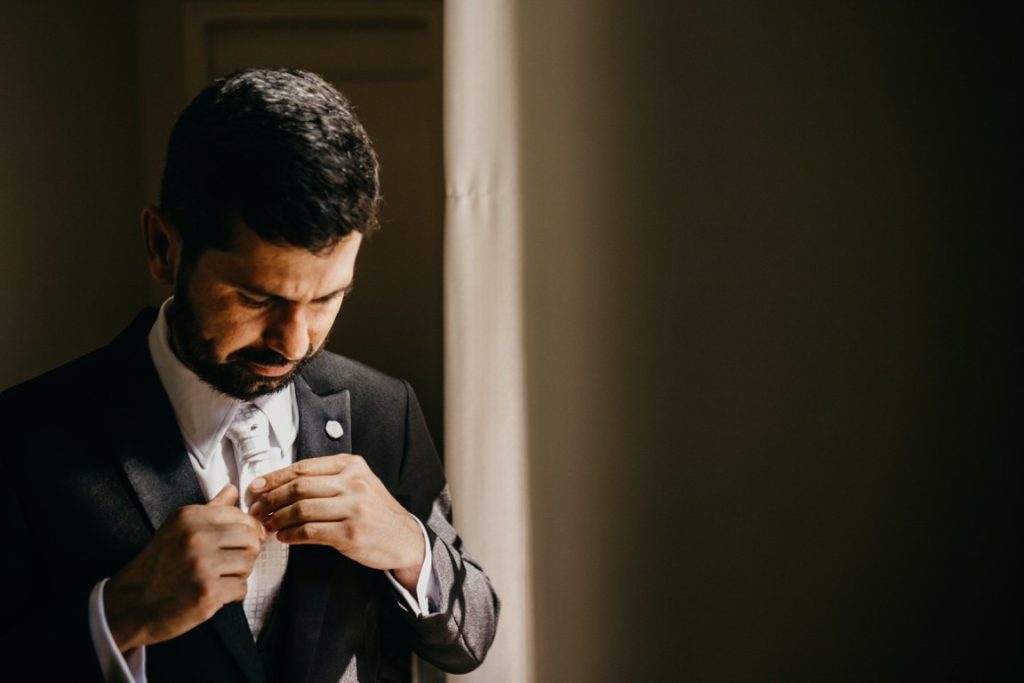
163, 245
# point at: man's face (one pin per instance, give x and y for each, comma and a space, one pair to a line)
247, 319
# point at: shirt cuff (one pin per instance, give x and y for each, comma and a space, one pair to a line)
117, 668
426, 598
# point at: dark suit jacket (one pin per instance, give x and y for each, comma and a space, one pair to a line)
97, 463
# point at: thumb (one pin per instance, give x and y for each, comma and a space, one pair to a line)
228, 496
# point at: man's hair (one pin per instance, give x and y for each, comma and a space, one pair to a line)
281, 150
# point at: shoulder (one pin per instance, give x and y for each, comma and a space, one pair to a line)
56, 409
82, 373
89, 380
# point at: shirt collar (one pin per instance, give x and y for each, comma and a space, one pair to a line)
204, 414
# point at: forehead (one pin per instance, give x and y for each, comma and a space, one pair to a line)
283, 270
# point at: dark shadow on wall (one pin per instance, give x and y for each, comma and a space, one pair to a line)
773, 266
71, 266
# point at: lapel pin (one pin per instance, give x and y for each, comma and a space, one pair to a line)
334, 429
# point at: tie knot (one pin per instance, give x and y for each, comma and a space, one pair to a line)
249, 432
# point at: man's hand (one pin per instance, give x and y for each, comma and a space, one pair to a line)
195, 563
339, 502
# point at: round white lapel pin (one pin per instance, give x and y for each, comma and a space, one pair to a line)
334, 429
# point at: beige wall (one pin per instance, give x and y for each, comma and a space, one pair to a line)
71, 268
772, 297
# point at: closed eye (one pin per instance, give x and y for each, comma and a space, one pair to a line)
251, 301
333, 296
256, 299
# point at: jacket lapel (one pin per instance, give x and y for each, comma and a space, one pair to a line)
149, 444
317, 435
154, 458
325, 426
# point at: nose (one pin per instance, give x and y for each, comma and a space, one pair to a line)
287, 333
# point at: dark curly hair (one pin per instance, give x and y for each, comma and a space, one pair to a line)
281, 150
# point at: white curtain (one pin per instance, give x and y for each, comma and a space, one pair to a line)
485, 419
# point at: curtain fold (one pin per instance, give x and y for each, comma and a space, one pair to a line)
485, 418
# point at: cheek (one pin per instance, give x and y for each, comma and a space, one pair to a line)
229, 327
237, 334
320, 325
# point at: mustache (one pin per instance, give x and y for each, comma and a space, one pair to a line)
263, 356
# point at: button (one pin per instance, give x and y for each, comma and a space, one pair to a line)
334, 429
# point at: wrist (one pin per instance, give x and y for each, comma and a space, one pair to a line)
126, 631
409, 574
407, 577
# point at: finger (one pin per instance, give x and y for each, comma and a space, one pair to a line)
241, 537
297, 489
250, 523
312, 533
195, 517
328, 464
234, 563
232, 588
212, 515
227, 496
308, 510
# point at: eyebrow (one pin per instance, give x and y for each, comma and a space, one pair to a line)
250, 289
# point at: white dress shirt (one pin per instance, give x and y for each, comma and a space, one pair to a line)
204, 416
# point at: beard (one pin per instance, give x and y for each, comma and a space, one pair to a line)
234, 377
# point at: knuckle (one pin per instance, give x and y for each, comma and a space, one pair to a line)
280, 519
184, 515
200, 567
193, 543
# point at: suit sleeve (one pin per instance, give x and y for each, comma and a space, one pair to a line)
456, 637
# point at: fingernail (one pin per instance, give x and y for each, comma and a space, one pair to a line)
256, 509
258, 483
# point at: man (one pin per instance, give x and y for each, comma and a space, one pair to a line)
213, 497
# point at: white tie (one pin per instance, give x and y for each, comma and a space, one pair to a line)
250, 436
